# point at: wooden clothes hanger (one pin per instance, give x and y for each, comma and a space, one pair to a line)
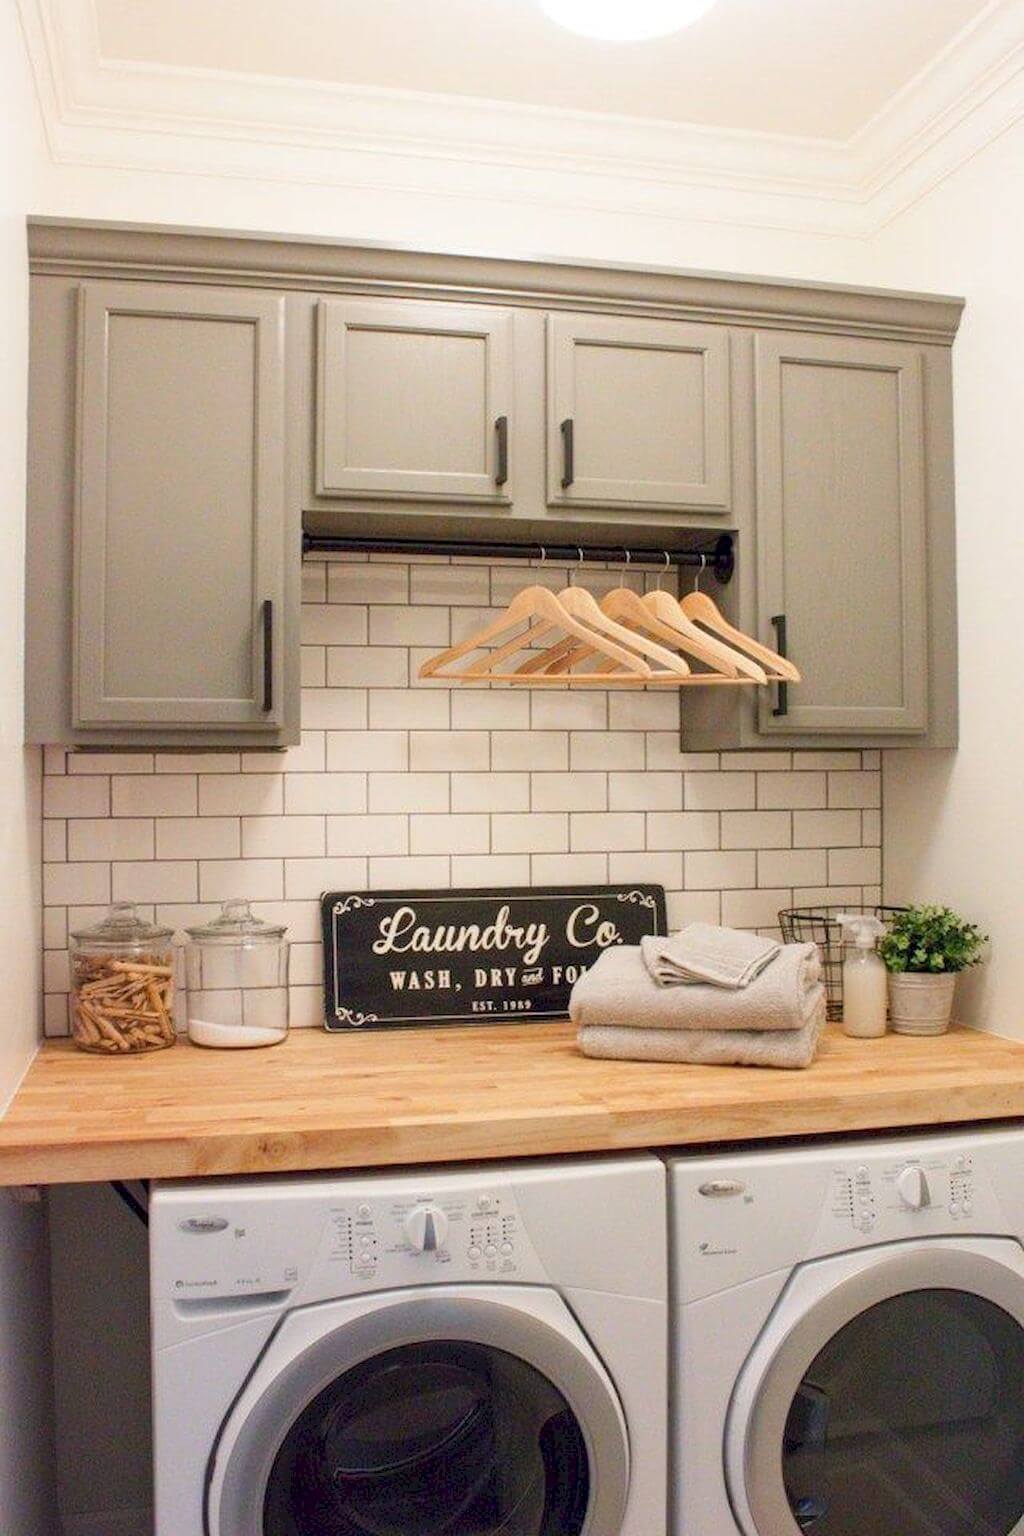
696, 605
537, 604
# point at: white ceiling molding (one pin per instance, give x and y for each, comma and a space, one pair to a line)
138, 116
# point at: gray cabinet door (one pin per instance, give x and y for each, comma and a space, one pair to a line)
841, 530
414, 401
638, 413
179, 516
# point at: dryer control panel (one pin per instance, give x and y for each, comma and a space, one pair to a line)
893, 1196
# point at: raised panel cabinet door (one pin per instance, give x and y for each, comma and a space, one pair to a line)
638, 413
841, 530
179, 515
414, 400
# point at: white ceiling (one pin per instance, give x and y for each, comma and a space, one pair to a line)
813, 68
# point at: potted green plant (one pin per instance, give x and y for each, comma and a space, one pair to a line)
924, 950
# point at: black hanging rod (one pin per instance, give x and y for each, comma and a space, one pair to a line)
719, 559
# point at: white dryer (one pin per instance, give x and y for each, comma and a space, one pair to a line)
848, 1355
443, 1353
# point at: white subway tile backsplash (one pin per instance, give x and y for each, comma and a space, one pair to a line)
161, 794
370, 583
791, 791
336, 709
154, 880
449, 834
650, 868
318, 794
409, 709
577, 868
854, 866
313, 666
871, 759
723, 871
720, 791
365, 666
196, 837
357, 751
282, 837
238, 794
333, 624
75, 884
565, 710
307, 757
431, 871
493, 792
862, 790
645, 791
491, 710
757, 829
109, 838
351, 836
398, 782
598, 831
567, 792
498, 869
682, 829
791, 866
606, 749
532, 832
55, 841
394, 625
467, 751
451, 585
543, 750
68, 796
409, 792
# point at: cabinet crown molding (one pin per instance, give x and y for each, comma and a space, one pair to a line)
171, 254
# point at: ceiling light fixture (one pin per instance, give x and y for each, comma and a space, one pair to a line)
624, 21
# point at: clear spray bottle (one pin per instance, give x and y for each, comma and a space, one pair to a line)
865, 980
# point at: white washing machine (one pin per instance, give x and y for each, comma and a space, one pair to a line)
848, 1357
449, 1353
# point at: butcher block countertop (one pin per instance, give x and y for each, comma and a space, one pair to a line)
448, 1095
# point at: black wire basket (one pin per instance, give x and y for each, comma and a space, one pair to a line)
819, 925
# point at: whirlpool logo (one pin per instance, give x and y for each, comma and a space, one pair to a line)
713, 1251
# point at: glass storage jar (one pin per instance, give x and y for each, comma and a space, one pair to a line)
236, 978
122, 985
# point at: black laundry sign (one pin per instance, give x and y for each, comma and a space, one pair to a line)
401, 958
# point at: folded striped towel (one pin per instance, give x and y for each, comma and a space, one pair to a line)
722, 957
790, 1048
619, 990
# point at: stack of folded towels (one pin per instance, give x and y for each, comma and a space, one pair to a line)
705, 994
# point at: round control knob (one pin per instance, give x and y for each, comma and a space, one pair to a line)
426, 1228
912, 1187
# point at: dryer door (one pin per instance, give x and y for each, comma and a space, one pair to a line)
886, 1397
444, 1412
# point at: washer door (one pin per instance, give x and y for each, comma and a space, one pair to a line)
425, 1414
886, 1396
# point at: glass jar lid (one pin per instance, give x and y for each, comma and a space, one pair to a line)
123, 925
236, 924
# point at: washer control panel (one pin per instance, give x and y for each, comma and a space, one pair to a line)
898, 1196
468, 1235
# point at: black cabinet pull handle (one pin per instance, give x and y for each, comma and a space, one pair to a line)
267, 614
782, 693
568, 454
501, 429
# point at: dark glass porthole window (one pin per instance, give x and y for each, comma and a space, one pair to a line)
442, 1438
910, 1422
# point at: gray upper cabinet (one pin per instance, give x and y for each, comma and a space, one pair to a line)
414, 401
841, 524
638, 413
178, 551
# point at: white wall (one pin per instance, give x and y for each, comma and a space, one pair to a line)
25, 1414
954, 829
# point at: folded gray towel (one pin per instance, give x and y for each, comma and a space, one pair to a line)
790, 1048
723, 957
618, 989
